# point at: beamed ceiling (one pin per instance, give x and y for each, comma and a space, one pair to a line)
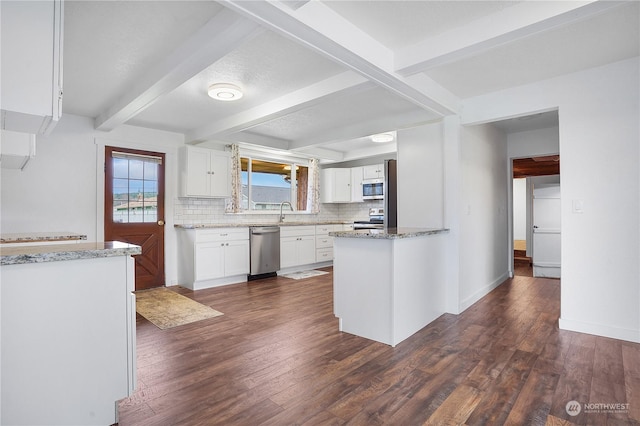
320, 77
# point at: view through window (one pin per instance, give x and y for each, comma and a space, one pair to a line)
267, 184
135, 188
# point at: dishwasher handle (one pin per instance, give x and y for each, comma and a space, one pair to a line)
265, 230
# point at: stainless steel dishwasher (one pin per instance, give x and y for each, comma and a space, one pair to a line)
265, 251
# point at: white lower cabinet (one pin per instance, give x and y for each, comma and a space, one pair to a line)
297, 246
324, 242
213, 257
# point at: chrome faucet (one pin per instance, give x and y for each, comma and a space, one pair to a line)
282, 205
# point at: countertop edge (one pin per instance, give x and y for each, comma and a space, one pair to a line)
388, 234
64, 252
41, 237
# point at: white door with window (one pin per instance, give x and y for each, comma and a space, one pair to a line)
546, 231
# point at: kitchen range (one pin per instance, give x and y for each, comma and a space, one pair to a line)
376, 220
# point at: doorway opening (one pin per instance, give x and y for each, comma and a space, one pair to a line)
536, 250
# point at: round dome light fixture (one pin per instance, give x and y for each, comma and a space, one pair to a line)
382, 137
225, 92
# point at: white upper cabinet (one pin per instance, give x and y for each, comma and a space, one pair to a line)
335, 185
204, 173
31, 34
375, 171
357, 174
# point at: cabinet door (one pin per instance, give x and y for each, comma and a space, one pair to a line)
356, 184
375, 171
326, 186
236, 258
306, 248
209, 261
220, 177
31, 65
198, 177
288, 252
342, 185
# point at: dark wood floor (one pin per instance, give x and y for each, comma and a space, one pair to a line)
276, 358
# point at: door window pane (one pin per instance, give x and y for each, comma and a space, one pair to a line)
135, 190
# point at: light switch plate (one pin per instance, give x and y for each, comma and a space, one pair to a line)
578, 206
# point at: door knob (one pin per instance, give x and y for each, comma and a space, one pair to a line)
161, 222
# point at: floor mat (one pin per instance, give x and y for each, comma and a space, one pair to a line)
166, 308
304, 274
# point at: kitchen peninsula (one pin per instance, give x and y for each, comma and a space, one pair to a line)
68, 331
388, 283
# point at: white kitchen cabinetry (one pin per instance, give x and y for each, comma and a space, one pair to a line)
375, 171
357, 174
335, 185
297, 246
213, 257
31, 34
204, 173
68, 339
324, 242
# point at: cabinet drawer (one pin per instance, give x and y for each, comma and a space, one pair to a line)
297, 231
323, 229
324, 241
324, 254
221, 234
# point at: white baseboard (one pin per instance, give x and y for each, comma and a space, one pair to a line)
201, 285
482, 292
600, 330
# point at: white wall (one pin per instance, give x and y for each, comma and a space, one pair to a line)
533, 143
62, 188
421, 176
599, 150
483, 212
520, 209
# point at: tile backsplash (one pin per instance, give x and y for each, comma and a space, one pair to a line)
194, 211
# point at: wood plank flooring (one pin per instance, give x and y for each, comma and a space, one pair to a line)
276, 357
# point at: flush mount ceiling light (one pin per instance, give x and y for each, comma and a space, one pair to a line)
382, 137
225, 92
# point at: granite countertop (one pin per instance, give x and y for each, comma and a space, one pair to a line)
387, 234
247, 225
60, 252
33, 237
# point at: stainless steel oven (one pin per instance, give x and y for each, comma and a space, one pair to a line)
376, 220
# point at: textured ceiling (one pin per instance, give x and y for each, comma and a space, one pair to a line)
324, 75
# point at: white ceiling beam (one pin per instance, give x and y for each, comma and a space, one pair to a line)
339, 85
374, 151
259, 140
320, 28
219, 36
360, 129
322, 154
510, 24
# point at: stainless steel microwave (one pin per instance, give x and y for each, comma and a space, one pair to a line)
373, 189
